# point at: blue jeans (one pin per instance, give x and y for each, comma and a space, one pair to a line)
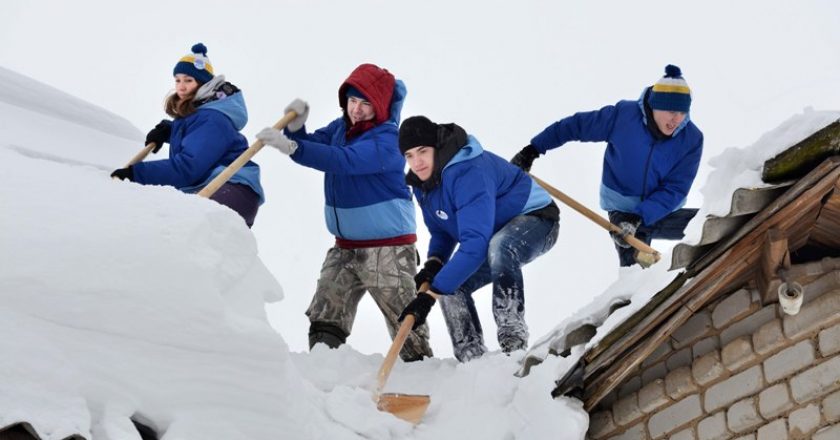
519, 242
671, 227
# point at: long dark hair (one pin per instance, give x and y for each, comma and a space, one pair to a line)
179, 108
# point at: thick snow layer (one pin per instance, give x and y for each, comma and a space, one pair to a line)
741, 167
125, 301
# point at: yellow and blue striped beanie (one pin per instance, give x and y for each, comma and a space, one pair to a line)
195, 64
671, 93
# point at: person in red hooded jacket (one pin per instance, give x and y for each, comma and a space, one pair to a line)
368, 207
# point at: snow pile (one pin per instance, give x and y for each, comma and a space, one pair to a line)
123, 302
26, 93
741, 167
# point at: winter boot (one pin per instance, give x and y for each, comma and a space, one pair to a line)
512, 344
325, 333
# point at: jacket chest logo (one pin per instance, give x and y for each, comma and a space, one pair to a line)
441, 214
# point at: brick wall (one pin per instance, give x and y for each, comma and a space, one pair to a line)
737, 370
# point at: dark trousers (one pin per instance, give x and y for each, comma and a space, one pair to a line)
519, 242
240, 198
671, 227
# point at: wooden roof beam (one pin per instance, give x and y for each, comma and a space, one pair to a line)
775, 257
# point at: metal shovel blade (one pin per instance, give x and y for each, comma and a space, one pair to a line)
409, 407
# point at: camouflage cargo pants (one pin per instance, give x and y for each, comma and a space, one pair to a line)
387, 273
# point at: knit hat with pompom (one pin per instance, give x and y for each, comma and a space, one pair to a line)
195, 64
671, 92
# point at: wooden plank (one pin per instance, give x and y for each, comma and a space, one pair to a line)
827, 229
745, 201
775, 255
824, 172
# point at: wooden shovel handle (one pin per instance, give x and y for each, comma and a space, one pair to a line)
588, 213
139, 156
240, 161
396, 346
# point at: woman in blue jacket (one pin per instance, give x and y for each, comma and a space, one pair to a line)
653, 152
203, 137
496, 215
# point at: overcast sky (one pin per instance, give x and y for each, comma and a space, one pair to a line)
502, 70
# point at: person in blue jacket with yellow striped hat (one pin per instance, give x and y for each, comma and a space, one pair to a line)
652, 156
495, 214
203, 138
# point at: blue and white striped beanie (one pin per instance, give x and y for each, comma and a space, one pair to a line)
195, 64
671, 93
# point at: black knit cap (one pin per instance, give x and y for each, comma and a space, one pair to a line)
416, 131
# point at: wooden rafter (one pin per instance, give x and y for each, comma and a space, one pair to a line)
826, 231
775, 256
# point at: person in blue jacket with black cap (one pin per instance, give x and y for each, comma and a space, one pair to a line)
495, 214
203, 138
653, 152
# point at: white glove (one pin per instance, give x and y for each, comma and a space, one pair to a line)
275, 138
300, 107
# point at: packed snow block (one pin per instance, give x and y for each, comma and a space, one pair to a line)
126, 299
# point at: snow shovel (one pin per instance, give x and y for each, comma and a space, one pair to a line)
139, 156
409, 407
240, 161
645, 255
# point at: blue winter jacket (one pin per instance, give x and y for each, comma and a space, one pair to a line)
479, 193
641, 175
201, 146
364, 186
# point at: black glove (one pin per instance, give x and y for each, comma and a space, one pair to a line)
525, 158
427, 273
628, 223
159, 134
124, 174
420, 308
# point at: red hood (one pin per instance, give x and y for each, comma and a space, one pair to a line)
376, 83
